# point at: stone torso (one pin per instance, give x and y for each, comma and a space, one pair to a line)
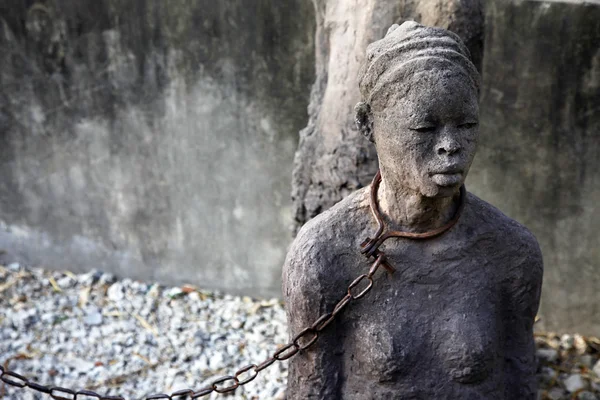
434, 320
438, 325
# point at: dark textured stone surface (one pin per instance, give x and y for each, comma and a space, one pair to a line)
151, 138
453, 322
456, 319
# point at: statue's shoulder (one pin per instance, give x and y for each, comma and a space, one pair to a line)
346, 219
507, 237
322, 239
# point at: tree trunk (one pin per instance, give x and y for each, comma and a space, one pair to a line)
333, 159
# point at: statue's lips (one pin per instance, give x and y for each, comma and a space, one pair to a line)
450, 177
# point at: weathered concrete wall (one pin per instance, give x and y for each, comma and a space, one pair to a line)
538, 156
153, 138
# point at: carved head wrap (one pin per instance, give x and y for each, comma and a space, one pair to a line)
408, 49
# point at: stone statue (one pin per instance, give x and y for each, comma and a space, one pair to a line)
455, 321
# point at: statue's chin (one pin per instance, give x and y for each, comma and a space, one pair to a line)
440, 187
447, 180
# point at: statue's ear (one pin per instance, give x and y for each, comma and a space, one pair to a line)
364, 120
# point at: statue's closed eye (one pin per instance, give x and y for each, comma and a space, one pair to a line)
432, 128
424, 129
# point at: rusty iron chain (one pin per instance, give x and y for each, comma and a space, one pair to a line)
300, 342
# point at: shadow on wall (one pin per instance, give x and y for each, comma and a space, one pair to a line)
152, 140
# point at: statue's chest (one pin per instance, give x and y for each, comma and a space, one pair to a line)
437, 314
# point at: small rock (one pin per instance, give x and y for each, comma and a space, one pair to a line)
217, 361
574, 383
179, 383
585, 395
567, 342
556, 394
90, 278
237, 324
116, 292
596, 369
27, 318
547, 375
83, 365
15, 267
174, 292
586, 360
201, 337
48, 318
547, 355
200, 365
65, 282
280, 395
107, 279
93, 317
579, 344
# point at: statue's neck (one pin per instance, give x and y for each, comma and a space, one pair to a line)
406, 210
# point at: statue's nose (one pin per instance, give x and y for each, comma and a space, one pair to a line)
447, 145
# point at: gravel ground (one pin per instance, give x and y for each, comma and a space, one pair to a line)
135, 339
132, 339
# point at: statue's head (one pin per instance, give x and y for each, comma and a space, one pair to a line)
419, 106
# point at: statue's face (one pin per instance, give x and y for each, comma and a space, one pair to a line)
426, 137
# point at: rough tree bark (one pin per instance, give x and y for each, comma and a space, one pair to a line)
333, 159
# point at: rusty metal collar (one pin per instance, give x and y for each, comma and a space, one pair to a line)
370, 246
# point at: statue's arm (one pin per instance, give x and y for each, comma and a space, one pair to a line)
524, 285
313, 373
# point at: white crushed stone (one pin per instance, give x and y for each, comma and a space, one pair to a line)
133, 339
574, 383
